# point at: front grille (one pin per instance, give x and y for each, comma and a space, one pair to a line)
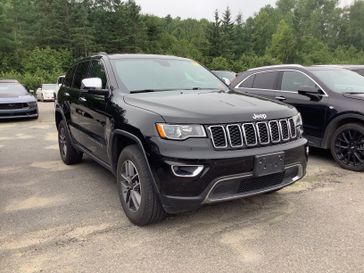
260, 183
12, 106
263, 133
218, 136
292, 128
274, 131
234, 136
250, 134
284, 129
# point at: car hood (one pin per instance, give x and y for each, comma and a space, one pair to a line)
358, 96
17, 99
208, 107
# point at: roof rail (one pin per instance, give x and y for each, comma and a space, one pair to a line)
276, 66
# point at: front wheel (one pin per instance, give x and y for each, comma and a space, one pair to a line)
347, 146
136, 191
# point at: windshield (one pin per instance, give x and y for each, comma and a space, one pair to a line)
147, 75
12, 90
49, 86
341, 80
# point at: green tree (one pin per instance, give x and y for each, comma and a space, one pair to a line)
214, 37
283, 45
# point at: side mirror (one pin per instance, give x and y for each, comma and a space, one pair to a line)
93, 86
309, 91
91, 83
226, 81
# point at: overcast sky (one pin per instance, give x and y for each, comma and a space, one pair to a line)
204, 8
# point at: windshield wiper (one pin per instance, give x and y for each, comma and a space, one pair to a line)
147, 91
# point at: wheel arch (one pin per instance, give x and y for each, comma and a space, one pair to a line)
339, 121
121, 139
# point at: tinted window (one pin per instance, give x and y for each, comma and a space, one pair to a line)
360, 72
248, 83
69, 77
97, 70
80, 74
292, 81
265, 80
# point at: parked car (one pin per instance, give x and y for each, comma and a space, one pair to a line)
16, 101
330, 100
353, 67
174, 135
47, 92
227, 76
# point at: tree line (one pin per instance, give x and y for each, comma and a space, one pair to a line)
39, 39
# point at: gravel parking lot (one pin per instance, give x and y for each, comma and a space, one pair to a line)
58, 218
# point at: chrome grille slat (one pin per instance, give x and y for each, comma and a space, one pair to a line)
283, 125
292, 128
235, 135
218, 136
252, 134
274, 131
263, 133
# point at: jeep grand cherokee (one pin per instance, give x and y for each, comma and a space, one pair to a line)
174, 135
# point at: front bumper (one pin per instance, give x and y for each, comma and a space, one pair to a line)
228, 176
19, 113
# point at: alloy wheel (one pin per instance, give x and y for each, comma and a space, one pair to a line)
130, 185
63, 141
349, 147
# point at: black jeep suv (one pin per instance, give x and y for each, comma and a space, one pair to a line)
330, 100
174, 135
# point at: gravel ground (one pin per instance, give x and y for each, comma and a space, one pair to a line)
58, 218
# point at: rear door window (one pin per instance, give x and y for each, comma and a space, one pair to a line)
265, 80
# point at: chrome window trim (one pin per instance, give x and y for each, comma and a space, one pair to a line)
244, 133
258, 132
212, 136
271, 133
280, 127
229, 138
274, 90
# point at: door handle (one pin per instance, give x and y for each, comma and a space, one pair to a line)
82, 99
280, 98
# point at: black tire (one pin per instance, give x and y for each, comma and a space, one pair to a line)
68, 153
146, 209
347, 146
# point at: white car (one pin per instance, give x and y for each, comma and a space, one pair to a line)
47, 92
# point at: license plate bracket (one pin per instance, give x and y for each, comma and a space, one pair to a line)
269, 164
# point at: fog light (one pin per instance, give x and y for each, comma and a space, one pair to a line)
187, 170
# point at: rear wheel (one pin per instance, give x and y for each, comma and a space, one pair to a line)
347, 146
68, 153
136, 191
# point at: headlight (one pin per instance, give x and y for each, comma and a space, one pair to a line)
298, 120
180, 132
298, 123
